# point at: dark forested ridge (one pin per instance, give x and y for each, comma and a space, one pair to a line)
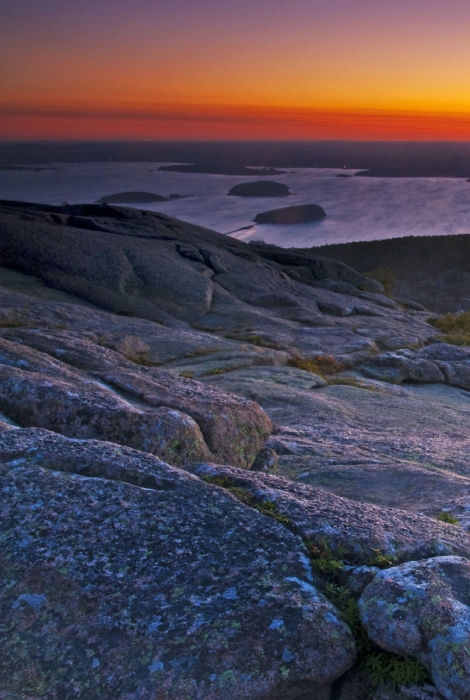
433, 159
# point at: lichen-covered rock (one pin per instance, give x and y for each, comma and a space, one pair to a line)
422, 609
437, 363
77, 407
266, 461
356, 532
91, 391
111, 591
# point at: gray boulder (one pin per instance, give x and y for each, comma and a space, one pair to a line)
422, 609
169, 589
402, 367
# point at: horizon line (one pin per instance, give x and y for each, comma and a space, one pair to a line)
229, 123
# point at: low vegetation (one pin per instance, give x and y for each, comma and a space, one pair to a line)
187, 374
456, 327
447, 518
320, 364
12, 323
353, 381
384, 276
214, 372
380, 666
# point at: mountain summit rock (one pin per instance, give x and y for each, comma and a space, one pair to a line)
228, 471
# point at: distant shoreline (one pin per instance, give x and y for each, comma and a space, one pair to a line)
379, 159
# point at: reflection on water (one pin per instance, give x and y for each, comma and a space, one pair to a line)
357, 208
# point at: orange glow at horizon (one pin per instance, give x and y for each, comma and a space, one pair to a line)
255, 69
196, 122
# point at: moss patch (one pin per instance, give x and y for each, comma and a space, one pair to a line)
253, 339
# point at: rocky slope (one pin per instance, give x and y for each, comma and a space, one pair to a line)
153, 375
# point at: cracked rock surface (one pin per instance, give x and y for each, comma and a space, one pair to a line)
152, 376
170, 590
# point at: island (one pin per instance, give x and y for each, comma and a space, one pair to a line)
300, 214
260, 188
132, 198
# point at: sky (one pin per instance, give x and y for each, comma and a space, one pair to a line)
213, 69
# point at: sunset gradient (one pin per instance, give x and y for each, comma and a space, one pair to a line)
251, 69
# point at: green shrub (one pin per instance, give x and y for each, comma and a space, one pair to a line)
380, 560
456, 327
380, 666
399, 670
447, 518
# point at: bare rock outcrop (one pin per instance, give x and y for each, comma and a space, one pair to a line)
173, 590
356, 530
117, 400
142, 341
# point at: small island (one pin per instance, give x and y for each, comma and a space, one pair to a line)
260, 188
132, 198
300, 214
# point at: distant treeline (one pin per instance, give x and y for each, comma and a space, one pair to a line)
383, 158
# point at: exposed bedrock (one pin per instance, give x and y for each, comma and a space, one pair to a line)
355, 529
94, 392
176, 590
148, 264
143, 341
436, 363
